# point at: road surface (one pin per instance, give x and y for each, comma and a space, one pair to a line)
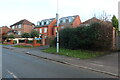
20, 65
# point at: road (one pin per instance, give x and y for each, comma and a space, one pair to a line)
19, 65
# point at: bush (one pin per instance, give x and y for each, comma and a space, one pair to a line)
15, 41
30, 41
34, 33
97, 36
38, 41
21, 41
25, 35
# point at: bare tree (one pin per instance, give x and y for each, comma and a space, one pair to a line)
104, 16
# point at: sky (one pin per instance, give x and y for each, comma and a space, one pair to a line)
13, 11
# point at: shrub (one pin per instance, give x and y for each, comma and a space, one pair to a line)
25, 35
97, 36
15, 41
34, 33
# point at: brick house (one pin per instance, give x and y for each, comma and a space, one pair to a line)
4, 30
23, 26
69, 21
47, 27
90, 21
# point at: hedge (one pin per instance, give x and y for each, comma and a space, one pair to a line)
97, 36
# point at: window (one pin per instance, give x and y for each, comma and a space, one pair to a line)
19, 32
13, 27
45, 30
47, 22
38, 23
64, 20
42, 22
19, 26
61, 21
70, 19
67, 20
40, 30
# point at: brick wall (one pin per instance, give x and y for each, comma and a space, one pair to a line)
76, 22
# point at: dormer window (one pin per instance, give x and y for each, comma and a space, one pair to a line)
47, 22
70, 19
13, 27
67, 20
64, 20
42, 22
61, 21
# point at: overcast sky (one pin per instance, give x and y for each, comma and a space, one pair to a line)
35, 10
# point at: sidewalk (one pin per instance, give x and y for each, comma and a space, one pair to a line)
106, 64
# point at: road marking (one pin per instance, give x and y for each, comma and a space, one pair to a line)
14, 76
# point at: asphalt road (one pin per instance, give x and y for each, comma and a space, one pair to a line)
19, 65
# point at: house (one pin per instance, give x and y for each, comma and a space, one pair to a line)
90, 21
48, 27
4, 30
69, 21
45, 27
23, 26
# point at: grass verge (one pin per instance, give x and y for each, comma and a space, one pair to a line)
82, 54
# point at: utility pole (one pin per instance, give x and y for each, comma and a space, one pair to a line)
57, 18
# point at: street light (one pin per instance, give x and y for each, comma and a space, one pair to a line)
57, 32
57, 18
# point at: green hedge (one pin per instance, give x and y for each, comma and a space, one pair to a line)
97, 36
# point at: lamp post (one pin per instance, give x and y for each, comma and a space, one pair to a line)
57, 18
57, 33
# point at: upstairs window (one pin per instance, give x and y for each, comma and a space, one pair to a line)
42, 22
45, 30
40, 30
47, 22
67, 20
70, 19
13, 27
19, 26
64, 20
61, 21
19, 32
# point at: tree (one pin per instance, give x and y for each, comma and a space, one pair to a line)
115, 22
25, 35
34, 33
104, 16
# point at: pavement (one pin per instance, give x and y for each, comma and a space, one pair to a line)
107, 64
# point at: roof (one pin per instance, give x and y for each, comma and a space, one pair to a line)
92, 20
24, 21
67, 20
45, 22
